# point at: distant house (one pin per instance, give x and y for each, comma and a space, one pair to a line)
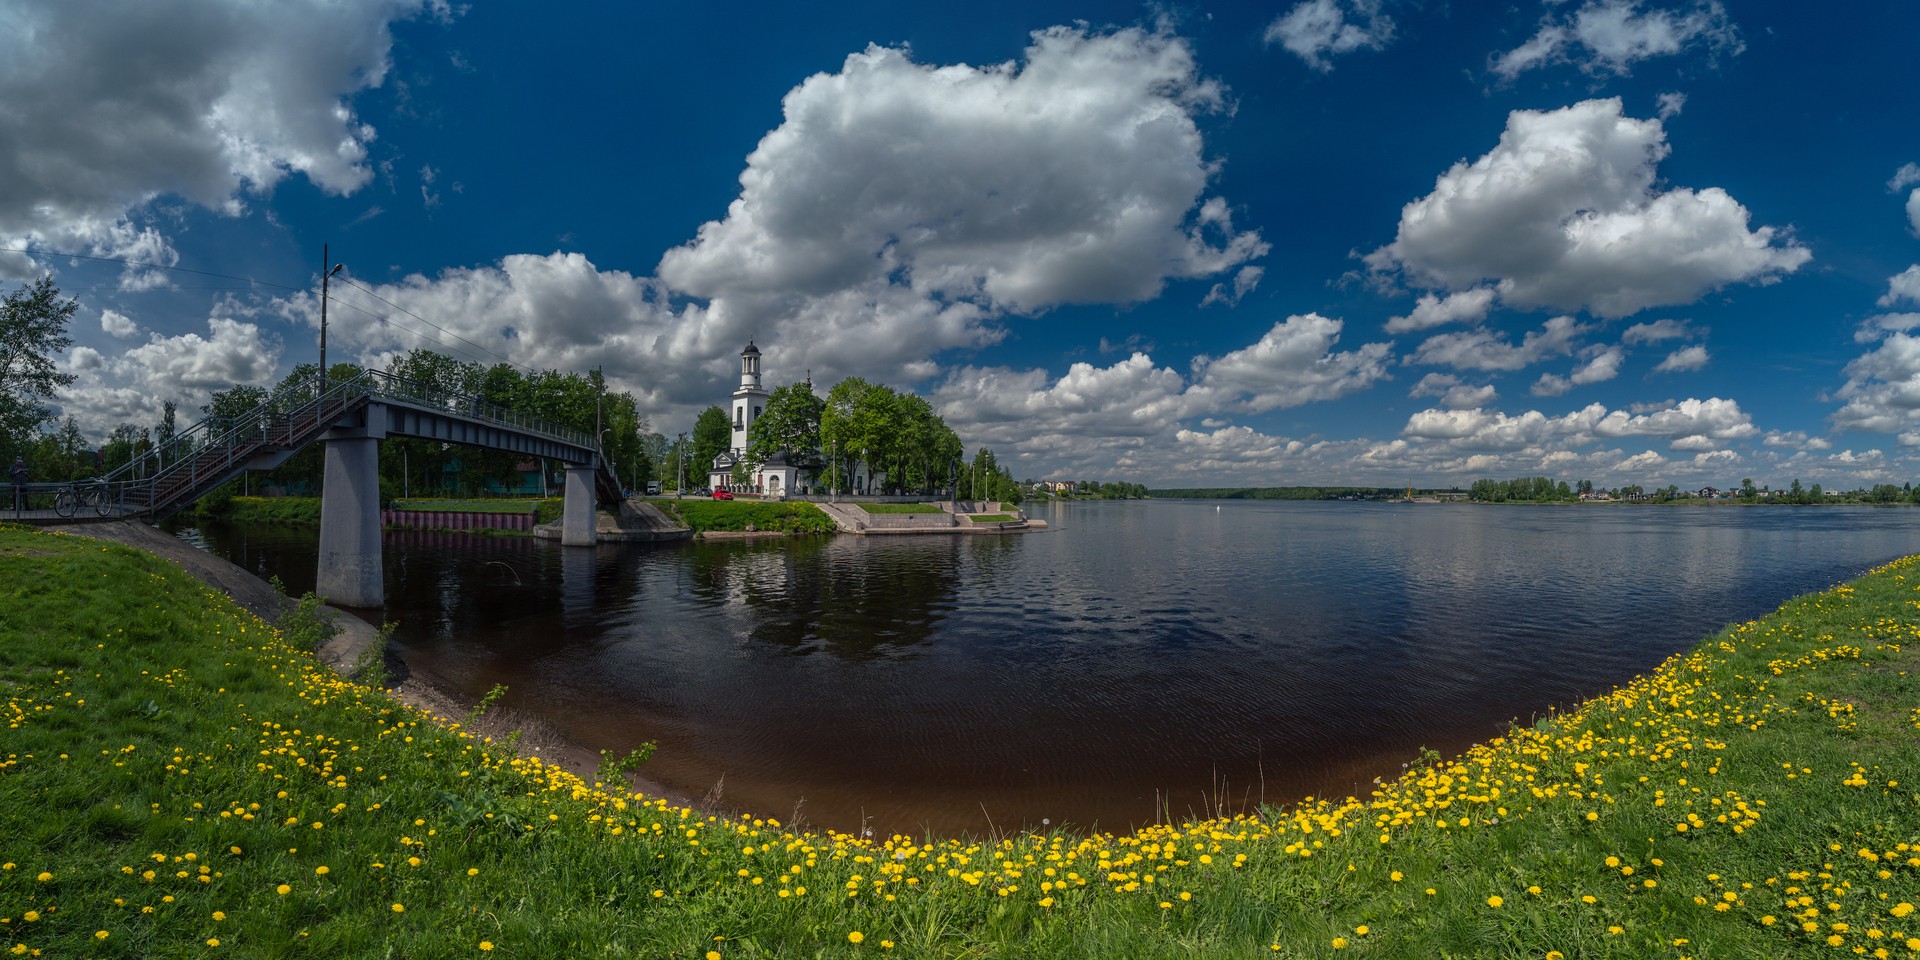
1709, 493
1059, 486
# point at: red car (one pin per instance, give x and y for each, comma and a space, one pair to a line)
722, 495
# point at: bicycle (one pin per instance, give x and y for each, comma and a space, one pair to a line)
82, 494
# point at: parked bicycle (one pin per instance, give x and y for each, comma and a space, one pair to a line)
80, 495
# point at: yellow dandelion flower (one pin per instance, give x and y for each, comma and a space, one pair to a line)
855, 936
1339, 943
1495, 901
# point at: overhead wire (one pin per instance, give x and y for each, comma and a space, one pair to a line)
145, 263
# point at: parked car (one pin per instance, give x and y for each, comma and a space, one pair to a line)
722, 495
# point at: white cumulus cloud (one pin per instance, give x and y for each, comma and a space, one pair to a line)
1904, 285
1483, 349
1565, 212
1076, 177
1656, 331
1607, 37
1315, 30
117, 324
187, 369
1467, 306
213, 101
1452, 393
1292, 364
1683, 359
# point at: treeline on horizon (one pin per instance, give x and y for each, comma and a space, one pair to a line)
1292, 493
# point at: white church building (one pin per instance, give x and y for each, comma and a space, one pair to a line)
786, 472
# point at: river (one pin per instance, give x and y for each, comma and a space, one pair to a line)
1138, 661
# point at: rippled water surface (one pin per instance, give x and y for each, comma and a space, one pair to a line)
1166, 655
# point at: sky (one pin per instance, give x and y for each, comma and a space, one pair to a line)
1320, 242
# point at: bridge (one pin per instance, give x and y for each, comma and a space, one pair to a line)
350, 417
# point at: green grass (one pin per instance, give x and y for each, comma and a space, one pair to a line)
171, 764
735, 515
991, 517
899, 507
302, 511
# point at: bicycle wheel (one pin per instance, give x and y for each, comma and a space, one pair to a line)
65, 502
102, 500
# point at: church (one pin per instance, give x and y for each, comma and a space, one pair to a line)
787, 472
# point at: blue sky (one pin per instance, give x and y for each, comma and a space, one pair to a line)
1330, 241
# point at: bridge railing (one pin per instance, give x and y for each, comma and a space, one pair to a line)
472, 406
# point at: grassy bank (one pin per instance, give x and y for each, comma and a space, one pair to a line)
300, 511
178, 781
899, 507
740, 515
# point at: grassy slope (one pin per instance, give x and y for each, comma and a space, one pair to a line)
898, 507
170, 764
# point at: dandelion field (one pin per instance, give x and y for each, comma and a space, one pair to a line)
177, 780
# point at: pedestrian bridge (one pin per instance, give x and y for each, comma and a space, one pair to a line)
350, 418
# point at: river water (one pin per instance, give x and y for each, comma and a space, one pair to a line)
1139, 660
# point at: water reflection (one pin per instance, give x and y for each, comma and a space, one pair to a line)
1139, 659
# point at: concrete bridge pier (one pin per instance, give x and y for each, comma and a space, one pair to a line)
351, 573
577, 524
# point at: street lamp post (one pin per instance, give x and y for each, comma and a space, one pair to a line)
326, 273
682, 460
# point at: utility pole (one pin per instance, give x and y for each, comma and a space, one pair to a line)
326, 273
682, 461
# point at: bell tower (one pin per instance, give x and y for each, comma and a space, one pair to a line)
749, 399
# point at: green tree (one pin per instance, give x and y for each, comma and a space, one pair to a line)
1748, 491
712, 434
791, 421
33, 329
235, 401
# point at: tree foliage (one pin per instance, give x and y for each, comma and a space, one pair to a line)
33, 329
712, 435
791, 421
1522, 490
905, 445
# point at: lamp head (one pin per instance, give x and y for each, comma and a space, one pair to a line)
336, 269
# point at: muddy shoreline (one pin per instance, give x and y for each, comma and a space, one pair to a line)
356, 634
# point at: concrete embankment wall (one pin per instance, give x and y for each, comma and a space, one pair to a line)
455, 520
